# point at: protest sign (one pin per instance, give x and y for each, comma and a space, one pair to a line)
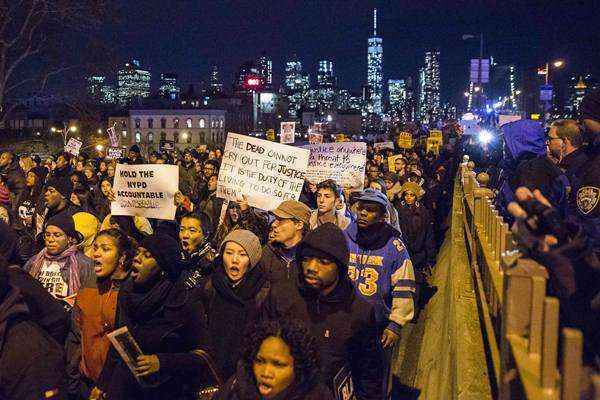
343, 162
266, 173
392, 162
73, 146
506, 119
315, 138
434, 133
383, 145
271, 135
114, 153
433, 144
166, 145
113, 138
405, 140
145, 190
288, 132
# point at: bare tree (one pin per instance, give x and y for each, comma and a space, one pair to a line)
34, 37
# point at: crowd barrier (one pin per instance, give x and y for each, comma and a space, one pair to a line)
520, 324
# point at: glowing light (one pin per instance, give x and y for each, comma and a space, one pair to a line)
53, 129
99, 131
469, 117
184, 135
99, 147
477, 88
558, 63
253, 82
73, 129
485, 136
329, 118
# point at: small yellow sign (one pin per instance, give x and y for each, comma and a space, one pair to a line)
405, 140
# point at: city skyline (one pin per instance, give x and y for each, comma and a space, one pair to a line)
189, 40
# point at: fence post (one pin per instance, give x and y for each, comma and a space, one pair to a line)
550, 344
538, 286
572, 346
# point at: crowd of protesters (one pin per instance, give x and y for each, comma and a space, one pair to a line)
236, 302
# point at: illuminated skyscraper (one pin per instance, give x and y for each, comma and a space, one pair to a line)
397, 91
325, 76
296, 85
429, 85
375, 70
216, 86
133, 82
265, 69
168, 86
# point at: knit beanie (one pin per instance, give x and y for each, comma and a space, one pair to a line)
40, 173
61, 185
326, 241
165, 250
64, 221
135, 148
248, 240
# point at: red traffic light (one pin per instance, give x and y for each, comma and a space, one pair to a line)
253, 81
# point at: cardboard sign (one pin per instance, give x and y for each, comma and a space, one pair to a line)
383, 145
405, 140
166, 145
113, 138
315, 138
434, 133
271, 134
73, 146
433, 144
392, 162
342, 162
145, 190
267, 173
288, 132
114, 153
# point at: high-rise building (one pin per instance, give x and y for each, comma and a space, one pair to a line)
94, 86
429, 88
579, 86
216, 85
397, 91
325, 77
248, 72
296, 85
168, 86
265, 69
375, 70
109, 94
133, 82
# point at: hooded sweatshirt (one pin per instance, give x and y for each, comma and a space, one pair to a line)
382, 273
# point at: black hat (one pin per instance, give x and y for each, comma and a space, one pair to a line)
65, 222
61, 185
326, 241
165, 250
135, 148
590, 106
40, 173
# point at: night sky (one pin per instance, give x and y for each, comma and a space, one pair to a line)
187, 37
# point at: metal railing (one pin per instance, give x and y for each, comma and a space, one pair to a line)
520, 323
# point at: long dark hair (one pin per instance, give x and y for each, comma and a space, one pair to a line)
126, 246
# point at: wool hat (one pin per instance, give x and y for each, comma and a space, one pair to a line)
412, 187
61, 185
135, 148
40, 172
373, 196
248, 240
590, 106
326, 241
293, 209
64, 221
165, 250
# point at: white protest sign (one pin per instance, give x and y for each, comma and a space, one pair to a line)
343, 162
113, 137
73, 146
114, 153
267, 173
315, 138
507, 119
145, 190
383, 145
288, 132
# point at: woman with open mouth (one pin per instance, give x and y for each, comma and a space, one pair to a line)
95, 310
281, 361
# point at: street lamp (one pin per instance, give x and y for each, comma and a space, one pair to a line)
556, 64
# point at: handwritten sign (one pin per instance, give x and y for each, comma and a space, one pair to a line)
343, 162
73, 146
405, 140
392, 162
434, 133
315, 138
433, 144
113, 138
114, 153
288, 132
383, 145
145, 190
266, 173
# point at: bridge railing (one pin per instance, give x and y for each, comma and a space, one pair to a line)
520, 322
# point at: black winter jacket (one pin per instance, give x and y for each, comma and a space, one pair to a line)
344, 326
416, 225
15, 182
